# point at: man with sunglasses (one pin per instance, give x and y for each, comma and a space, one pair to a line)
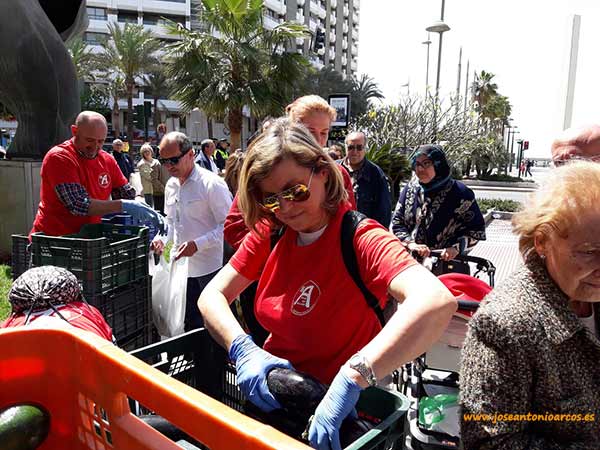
577, 143
369, 183
196, 204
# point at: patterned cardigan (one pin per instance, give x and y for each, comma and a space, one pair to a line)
526, 352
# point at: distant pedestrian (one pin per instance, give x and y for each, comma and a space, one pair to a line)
529, 166
149, 169
122, 159
522, 168
205, 157
369, 183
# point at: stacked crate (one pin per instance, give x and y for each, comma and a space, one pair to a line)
111, 263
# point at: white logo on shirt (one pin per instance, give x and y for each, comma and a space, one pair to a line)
103, 180
306, 298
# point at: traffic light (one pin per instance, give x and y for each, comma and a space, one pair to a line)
138, 116
319, 40
525, 145
147, 110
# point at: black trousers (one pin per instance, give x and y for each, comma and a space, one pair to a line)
195, 286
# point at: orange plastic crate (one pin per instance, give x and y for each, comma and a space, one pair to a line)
85, 383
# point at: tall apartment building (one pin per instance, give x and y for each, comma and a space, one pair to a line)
339, 19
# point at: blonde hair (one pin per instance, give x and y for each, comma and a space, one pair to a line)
284, 139
303, 107
558, 203
146, 148
233, 167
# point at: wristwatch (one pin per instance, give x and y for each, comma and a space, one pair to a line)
359, 363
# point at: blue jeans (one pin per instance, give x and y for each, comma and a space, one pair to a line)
195, 286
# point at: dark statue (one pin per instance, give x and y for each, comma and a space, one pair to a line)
37, 77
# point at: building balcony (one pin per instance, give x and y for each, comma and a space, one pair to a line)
317, 63
354, 18
300, 41
98, 3
344, 44
332, 37
317, 9
356, 4
131, 5
332, 20
354, 66
345, 27
354, 50
276, 5
269, 22
346, 11
344, 60
171, 7
333, 3
97, 26
300, 2
312, 25
331, 53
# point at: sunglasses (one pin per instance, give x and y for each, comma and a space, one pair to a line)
297, 193
173, 160
425, 164
357, 147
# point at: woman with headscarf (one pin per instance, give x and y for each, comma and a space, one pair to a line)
435, 211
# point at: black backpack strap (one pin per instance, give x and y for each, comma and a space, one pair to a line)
349, 225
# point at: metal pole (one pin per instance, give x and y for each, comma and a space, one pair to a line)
458, 80
572, 74
466, 86
428, 43
512, 146
439, 65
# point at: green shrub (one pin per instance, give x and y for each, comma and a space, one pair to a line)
497, 204
5, 284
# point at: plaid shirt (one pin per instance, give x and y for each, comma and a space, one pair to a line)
76, 199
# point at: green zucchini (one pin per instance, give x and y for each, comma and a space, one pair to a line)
23, 427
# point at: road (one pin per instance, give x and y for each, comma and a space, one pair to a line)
508, 193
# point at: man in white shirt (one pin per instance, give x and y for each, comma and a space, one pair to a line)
205, 157
196, 204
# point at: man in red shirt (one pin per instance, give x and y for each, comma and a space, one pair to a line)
78, 180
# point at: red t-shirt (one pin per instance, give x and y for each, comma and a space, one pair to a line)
62, 164
235, 229
78, 314
317, 316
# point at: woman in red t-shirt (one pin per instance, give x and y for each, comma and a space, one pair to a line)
318, 319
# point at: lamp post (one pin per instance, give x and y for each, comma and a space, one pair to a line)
438, 27
512, 146
427, 43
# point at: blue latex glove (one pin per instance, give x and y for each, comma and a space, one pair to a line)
142, 214
253, 365
339, 401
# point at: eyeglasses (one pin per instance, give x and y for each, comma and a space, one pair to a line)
173, 160
357, 147
425, 164
297, 193
562, 162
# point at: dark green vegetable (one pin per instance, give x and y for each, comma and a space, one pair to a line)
23, 427
169, 430
299, 395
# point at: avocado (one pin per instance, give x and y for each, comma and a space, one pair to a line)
24, 426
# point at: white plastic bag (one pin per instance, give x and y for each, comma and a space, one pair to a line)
169, 286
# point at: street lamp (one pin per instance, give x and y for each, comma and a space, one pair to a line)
439, 27
512, 147
427, 43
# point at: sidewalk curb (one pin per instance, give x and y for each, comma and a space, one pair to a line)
505, 184
493, 214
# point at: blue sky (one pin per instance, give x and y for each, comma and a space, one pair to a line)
524, 43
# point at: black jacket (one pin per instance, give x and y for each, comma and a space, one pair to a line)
124, 164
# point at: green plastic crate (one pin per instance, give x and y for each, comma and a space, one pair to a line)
102, 256
196, 360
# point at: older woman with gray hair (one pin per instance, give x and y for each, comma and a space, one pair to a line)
530, 375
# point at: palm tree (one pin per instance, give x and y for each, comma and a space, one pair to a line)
484, 89
363, 90
243, 64
84, 60
158, 85
129, 51
115, 89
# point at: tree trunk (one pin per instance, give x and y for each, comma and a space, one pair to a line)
156, 116
115, 119
130, 117
234, 120
209, 126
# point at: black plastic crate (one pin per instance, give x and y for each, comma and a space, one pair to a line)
195, 359
102, 256
128, 311
21, 256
